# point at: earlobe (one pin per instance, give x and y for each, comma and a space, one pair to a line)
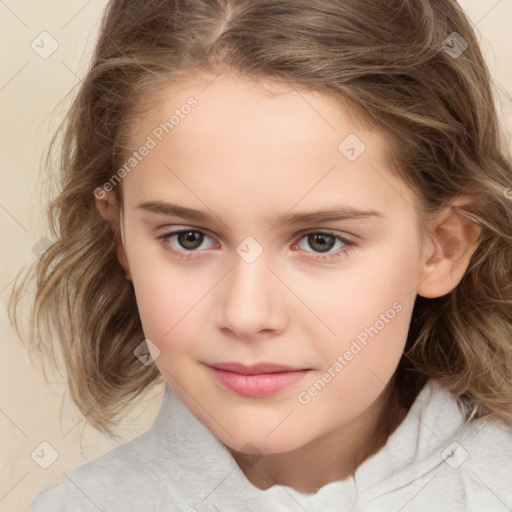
446, 257
110, 211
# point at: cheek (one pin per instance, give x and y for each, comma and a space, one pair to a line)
158, 305
369, 350
163, 313
170, 302
357, 368
161, 294
370, 315
372, 299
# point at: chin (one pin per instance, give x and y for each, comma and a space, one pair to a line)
256, 441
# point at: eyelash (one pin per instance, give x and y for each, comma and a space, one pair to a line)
323, 257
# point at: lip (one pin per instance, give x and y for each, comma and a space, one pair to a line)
254, 369
257, 380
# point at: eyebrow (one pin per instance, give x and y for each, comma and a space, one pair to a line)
312, 217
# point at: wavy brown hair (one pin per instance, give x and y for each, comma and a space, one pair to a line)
389, 59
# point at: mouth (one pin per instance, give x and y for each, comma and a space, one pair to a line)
258, 380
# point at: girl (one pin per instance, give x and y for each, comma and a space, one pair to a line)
295, 214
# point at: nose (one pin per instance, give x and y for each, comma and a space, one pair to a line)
251, 301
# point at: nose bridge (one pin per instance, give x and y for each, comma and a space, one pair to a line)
250, 273
251, 302
249, 282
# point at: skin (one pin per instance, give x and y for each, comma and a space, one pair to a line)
249, 152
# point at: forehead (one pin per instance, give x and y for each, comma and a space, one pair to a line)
210, 134
231, 101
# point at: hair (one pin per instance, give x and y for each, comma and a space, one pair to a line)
387, 60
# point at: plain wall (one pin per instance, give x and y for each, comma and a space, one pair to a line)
31, 411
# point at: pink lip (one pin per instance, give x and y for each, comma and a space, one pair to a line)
262, 379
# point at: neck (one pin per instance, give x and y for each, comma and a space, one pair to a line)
335, 456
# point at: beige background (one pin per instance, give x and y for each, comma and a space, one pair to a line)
31, 412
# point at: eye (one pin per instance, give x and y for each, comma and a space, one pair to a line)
323, 242
187, 240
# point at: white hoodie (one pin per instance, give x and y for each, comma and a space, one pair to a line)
434, 461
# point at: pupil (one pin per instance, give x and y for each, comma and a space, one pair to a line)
188, 239
324, 241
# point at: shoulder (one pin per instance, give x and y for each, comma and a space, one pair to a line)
119, 480
466, 463
488, 450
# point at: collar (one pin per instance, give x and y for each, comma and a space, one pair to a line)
201, 475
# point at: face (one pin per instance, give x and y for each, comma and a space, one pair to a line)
257, 278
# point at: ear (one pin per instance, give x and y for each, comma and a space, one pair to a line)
446, 257
109, 209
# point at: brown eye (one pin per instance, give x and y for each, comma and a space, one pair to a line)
321, 242
187, 243
323, 246
190, 239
